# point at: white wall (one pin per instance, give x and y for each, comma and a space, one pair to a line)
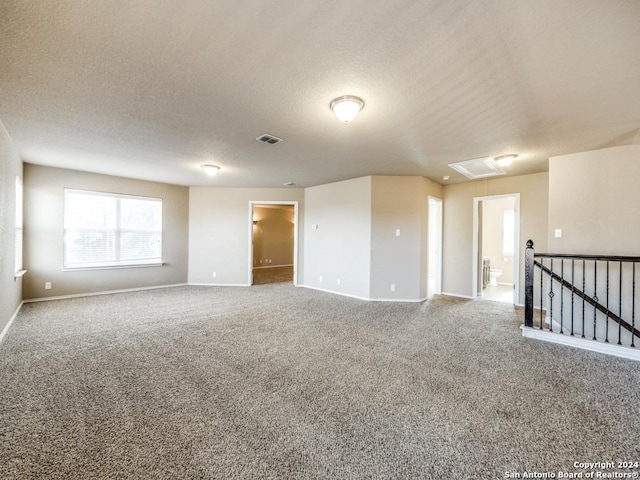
400, 203
44, 215
10, 287
220, 228
457, 262
339, 249
594, 198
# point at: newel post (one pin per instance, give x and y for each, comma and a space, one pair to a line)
528, 284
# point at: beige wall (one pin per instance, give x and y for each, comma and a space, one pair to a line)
44, 214
594, 198
220, 228
10, 287
400, 203
492, 241
457, 262
273, 235
339, 249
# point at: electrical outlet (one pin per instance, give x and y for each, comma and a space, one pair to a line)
558, 233
47, 285
397, 232
393, 287
338, 281
320, 279
215, 274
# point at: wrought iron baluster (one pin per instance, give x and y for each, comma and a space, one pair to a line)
541, 292
551, 294
595, 296
573, 290
633, 306
561, 295
606, 325
584, 277
620, 307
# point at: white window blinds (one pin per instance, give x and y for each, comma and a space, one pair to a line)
110, 230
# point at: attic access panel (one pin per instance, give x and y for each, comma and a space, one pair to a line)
478, 168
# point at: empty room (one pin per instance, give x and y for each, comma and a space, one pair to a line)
319, 239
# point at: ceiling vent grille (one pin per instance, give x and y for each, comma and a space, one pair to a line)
478, 168
269, 139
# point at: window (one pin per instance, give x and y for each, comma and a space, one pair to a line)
508, 233
110, 230
19, 227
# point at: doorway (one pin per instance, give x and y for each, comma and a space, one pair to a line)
434, 247
273, 246
496, 251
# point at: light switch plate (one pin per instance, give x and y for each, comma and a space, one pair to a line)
558, 233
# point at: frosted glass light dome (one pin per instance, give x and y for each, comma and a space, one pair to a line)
347, 107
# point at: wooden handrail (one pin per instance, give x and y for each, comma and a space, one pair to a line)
604, 258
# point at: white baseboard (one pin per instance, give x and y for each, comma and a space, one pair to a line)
219, 284
367, 299
579, 342
334, 292
13, 317
273, 266
399, 300
457, 295
106, 292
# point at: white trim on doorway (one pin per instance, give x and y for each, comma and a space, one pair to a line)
516, 253
294, 203
435, 251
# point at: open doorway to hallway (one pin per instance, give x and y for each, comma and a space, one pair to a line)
496, 247
273, 240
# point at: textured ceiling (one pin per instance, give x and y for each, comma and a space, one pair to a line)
151, 90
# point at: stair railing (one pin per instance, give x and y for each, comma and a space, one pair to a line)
591, 296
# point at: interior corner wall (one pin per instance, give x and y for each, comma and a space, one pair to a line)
400, 204
457, 255
43, 223
10, 287
594, 199
219, 231
337, 233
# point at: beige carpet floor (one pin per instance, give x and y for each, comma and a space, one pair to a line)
278, 382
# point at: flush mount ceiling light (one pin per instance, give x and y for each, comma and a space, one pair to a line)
505, 160
478, 168
346, 107
211, 170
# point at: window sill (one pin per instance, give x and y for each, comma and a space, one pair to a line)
18, 274
112, 267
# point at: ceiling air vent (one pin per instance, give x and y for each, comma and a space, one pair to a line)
269, 139
478, 168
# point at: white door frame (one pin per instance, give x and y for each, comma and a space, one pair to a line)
294, 203
438, 278
516, 253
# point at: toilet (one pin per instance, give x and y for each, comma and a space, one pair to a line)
494, 273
